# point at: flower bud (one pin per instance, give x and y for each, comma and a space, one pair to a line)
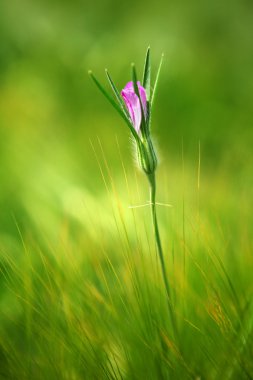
133, 105
146, 156
137, 108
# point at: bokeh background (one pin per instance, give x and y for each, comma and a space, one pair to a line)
52, 116
70, 248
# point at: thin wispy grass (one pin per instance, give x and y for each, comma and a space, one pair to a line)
84, 308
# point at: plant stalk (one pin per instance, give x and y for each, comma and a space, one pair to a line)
152, 182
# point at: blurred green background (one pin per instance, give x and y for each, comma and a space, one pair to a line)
70, 248
50, 110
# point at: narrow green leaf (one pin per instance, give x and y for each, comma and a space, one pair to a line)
117, 95
146, 74
156, 81
136, 90
134, 79
114, 104
105, 93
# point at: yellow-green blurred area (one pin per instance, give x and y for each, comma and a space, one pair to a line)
80, 284
50, 110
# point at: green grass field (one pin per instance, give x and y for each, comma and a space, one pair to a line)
90, 304
81, 289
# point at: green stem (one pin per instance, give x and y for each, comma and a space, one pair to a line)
152, 182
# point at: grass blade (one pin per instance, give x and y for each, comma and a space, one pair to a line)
156, 81
146, 74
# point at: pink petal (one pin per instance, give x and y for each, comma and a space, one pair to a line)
133, 104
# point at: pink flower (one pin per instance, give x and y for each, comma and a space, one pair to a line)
133, 103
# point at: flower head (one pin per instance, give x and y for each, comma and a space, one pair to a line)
133, 105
